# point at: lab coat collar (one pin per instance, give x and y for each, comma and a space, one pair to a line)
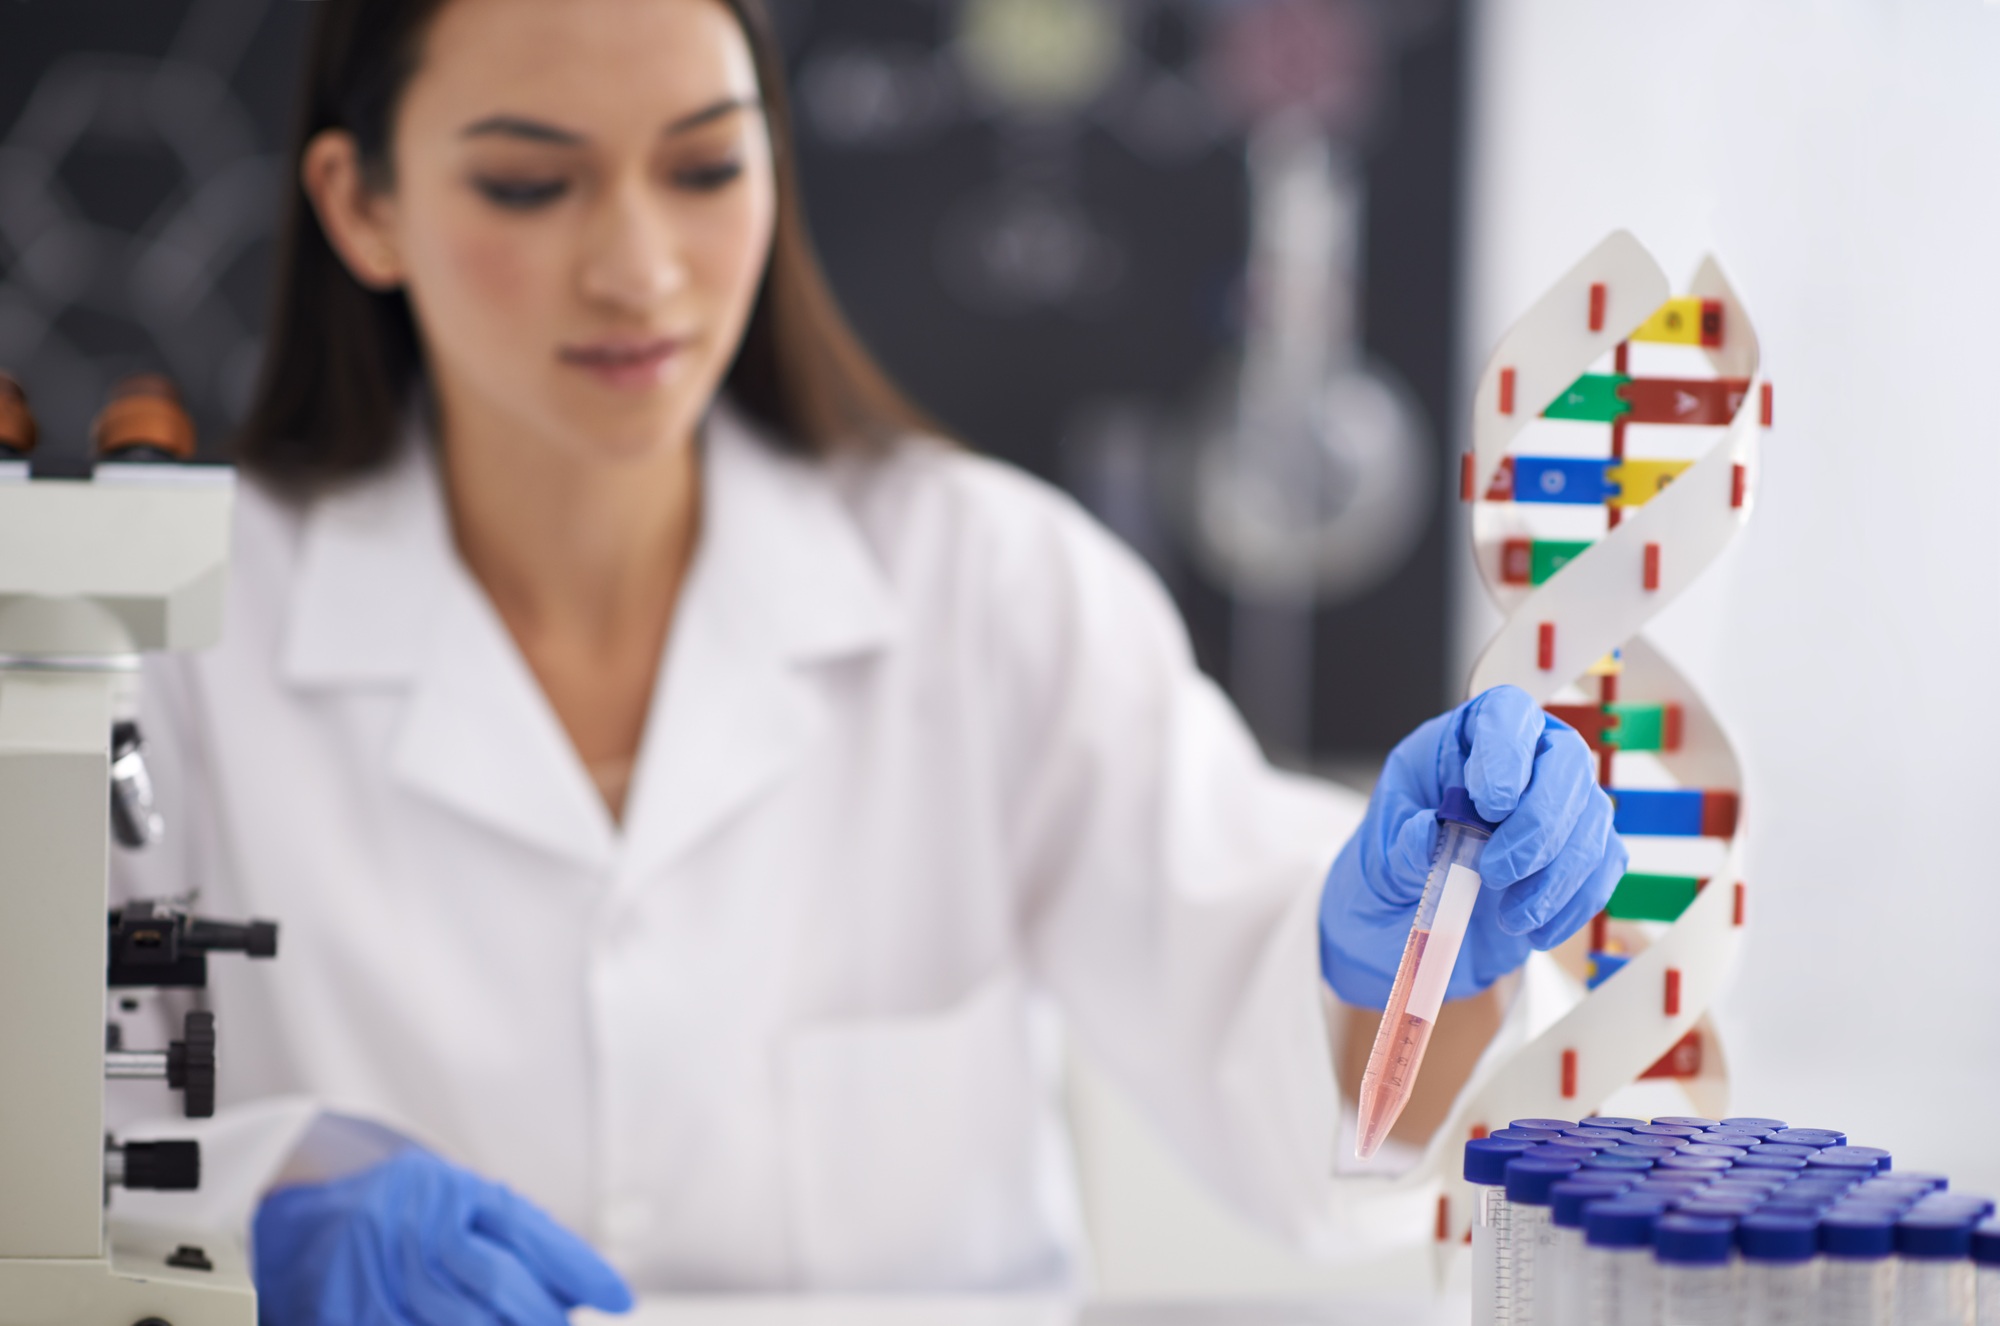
782, 579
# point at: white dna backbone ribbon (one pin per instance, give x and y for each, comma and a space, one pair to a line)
1580, 544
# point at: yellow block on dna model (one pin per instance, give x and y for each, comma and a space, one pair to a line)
1640, 481
1684, 320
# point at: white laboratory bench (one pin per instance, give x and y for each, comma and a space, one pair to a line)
813, 1310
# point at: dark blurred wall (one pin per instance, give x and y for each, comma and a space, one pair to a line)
139, 172
1035, 210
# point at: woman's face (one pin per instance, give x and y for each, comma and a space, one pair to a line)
581, 207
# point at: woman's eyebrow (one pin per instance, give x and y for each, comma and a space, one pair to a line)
517, 126
714, 111
540, 131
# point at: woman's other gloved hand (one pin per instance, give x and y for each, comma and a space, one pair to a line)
1550, 866
416, 1241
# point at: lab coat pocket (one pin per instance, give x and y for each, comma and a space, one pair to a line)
914, 1147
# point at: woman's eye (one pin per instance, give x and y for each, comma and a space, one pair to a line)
710, 177
521, 195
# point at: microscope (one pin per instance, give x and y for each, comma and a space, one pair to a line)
101, 559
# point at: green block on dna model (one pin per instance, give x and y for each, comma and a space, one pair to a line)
1548, 556
1652, 897
1639, 727
1593, 398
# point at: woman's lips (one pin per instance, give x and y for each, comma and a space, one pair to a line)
625, 364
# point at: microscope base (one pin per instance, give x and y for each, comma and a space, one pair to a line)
133, 1285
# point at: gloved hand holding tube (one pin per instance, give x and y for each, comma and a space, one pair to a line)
416, 1241
1550, 864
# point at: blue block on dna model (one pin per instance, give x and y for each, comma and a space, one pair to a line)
1572, 480
1672, 811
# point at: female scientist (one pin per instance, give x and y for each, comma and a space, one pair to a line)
690, 791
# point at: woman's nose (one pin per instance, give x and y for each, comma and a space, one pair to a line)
631, 258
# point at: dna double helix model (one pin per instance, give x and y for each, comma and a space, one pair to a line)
1635, 485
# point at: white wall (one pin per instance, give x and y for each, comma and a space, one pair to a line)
1842, 157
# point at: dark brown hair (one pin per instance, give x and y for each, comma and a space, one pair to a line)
341, 360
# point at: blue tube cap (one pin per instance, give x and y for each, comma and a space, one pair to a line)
1529, 1178
1752, 1121
1719, 1208
1686, 1121
1764, 1164
1938, 1182
1608, 1136
1618, 1121
1771, 1148
1986, 1243
1657, 1148
1619, 1160
1569, 1197
1666, 1130
1576, 1151
1778, 1238
1843, 1155
1692, 1164
1456, 804
1857, 1234
1557, 1126
1526, 1134
1842, 1158
1956, 1204
1687, 1240
1730, 1137
1709, 1149
1809, 1137
1923, 1233
1622, 1222
1486, 1159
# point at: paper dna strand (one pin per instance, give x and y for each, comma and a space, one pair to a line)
1580, 544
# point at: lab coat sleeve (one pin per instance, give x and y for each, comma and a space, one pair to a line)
1168, 875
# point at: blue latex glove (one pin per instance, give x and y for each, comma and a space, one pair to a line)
1550, 866
415, 1241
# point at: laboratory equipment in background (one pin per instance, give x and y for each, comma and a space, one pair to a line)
1675, 1232
1436, 933
101, 558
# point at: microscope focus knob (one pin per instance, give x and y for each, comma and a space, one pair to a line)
191, 1066
162, 1166
144, 421
17, 421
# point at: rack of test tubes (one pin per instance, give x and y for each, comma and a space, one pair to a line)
1685, 1221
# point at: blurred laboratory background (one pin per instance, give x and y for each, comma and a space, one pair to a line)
1225, 270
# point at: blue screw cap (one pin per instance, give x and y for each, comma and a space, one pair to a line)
1845, 1155
1486, 1159
1530, 1177
1863, 1233
1568, 1199
1810, 1137
1986, 1243
1686, 1121
1618, 1121
1778, 1238
1456, 805
1622, 1222
1688, 1240
1553, 1125
1923, 1233
1752, 1121
1526, 1134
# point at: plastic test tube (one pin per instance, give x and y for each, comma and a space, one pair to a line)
1780, 1269
1620, 1286
1567, 1304
1450, 890
1857, 1285
1528, 1182
1697, 1274
1934, 1267
1492, 1228
1986, 1272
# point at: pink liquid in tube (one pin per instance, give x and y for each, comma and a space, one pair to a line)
1436, 934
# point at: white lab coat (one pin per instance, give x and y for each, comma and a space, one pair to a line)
929, 775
